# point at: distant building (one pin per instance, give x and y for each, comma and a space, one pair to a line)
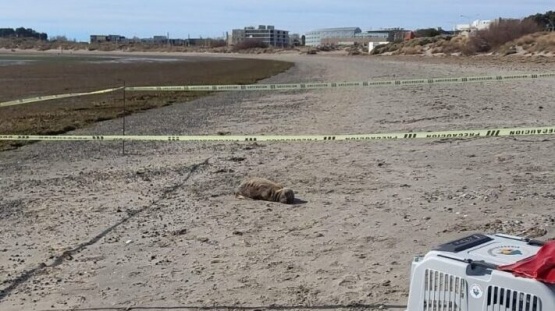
295, 39
398, 34
382, 35
107, 38
237, 35
267, 34
329, 35
98, 38
352, 35
160, 39
474, 26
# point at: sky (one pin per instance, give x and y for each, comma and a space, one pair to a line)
78, 19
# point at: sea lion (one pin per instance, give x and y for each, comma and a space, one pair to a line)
263, 189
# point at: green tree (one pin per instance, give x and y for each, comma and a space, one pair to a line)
427, 32
7, 32
545, 20
22, 32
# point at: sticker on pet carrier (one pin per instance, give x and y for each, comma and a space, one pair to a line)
476, 291
507, 250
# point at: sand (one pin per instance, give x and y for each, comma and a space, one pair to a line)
84, 226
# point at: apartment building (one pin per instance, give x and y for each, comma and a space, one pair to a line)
265, 33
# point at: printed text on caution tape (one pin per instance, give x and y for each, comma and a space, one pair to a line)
293, 138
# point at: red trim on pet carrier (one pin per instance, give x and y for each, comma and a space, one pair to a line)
540, 266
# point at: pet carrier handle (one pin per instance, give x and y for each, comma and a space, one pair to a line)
527, 240
481, 263
474, 263
534, 242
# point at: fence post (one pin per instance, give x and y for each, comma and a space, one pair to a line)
124, 113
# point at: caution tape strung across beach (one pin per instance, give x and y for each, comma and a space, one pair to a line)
332, 85
293, 138
293, 86
50, 97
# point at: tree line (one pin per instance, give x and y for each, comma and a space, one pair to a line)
22, 32
545, 20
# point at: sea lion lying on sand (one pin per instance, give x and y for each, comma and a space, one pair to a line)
264, 189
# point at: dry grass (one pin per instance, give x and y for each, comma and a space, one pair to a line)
537, 43
416, 46
499, 37
411, 50
214, 46
34, 44
250, 44
387, 48
55, 75
534, 43
457, 44
498, 34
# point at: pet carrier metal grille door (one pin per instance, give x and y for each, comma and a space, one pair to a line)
443, 291
464, 275
503, 299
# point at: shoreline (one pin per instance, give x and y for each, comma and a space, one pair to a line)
5, 51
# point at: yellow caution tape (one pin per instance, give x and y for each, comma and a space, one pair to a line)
294, 138
331, 85
50, 97
291, 86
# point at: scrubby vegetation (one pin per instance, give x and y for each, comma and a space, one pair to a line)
504, 36
413, 46
429, 32
500, 33
250, 44
540, 42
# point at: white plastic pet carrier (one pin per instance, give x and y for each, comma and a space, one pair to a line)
462, 275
